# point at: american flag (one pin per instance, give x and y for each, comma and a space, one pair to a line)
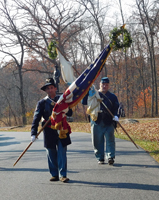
76, 91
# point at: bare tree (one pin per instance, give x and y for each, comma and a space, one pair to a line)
126, 67
48, 20
148, 16
96, 17
81, 31
138, 51
12, 44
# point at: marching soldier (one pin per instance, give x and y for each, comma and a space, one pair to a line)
55, 147
104, 126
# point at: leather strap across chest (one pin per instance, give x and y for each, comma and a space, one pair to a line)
106, 98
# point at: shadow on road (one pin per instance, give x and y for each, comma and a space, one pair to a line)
6, 138
23, 169
118, 185
135, 165
8, 143
20, 151
4, 142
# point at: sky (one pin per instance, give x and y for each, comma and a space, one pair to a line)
115, 8
126, 7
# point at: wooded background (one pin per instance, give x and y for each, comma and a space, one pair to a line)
81, 28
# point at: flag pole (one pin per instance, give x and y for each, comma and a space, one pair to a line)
32, 142
120, 124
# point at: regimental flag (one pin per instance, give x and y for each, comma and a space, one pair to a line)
93, 103
66, 69
76, 91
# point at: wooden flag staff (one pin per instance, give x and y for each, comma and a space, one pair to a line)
32, 142
120, 125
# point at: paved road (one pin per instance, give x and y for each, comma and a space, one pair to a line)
135, 175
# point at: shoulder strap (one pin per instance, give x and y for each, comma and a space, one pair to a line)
106, 97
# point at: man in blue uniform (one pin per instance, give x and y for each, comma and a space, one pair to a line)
103, 127
55, 147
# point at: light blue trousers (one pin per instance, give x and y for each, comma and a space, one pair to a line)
100, 134
57, 160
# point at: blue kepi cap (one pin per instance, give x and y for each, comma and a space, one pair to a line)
105, 80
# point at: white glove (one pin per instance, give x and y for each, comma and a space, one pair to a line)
33, 138
116, 118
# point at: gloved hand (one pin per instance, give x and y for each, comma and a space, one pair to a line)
115, 118
33, 138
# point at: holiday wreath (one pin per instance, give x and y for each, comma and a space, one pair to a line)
120, 38
52, 49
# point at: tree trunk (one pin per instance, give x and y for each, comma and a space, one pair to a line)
24, 119
155, 76
126, 68
149, 51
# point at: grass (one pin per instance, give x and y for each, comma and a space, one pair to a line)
145, 134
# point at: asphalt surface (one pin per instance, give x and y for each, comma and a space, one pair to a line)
134, 176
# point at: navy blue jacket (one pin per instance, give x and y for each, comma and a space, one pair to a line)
111, 101
44, 109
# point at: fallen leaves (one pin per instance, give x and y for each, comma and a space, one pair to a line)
143, 131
